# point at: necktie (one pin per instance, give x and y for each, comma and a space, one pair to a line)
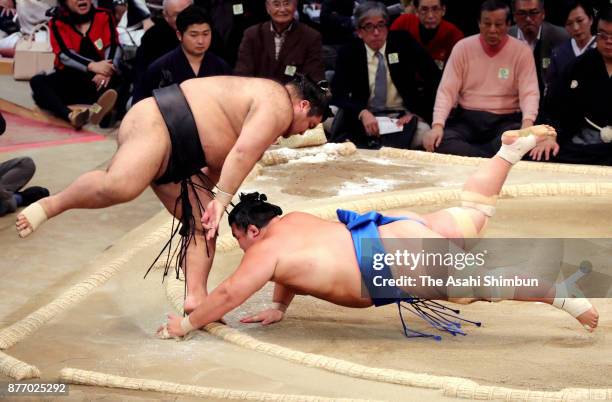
379, 100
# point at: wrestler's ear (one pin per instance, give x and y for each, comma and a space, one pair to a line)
305, 105
179, 35
253, 231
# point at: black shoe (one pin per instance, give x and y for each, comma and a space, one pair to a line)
32, 194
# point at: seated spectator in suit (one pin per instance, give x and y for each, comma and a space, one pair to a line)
280, 48
376, 75
87, 53
492, 78
578, 24
541, 36
161, 38
583, 103
189, 60
430, 30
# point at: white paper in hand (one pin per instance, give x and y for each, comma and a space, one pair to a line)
387, 125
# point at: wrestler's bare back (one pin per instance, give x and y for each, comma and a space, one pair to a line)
317, 257
221, 106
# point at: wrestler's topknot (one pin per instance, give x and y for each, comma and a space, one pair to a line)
253, 209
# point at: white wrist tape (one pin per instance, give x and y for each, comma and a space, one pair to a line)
280, 306
186, 325
223, 196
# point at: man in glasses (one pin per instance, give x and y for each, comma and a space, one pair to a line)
430, 29
379, 76
541, 36
582, 102
282, 47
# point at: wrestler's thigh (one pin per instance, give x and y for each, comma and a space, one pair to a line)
143, 145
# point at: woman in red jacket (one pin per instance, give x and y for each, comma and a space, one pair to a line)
86, 46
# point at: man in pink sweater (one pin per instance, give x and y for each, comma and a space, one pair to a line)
492, 80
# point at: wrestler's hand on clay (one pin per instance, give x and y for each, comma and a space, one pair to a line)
370, 124
266, 317
174, 326
211, 218
544, 149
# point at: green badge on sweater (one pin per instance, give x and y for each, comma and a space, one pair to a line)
504, 73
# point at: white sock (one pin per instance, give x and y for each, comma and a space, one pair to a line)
514, 152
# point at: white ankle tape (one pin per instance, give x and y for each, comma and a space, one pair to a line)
573, 306
514, 152
186, 325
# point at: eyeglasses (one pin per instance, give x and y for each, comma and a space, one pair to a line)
369, 28
604, 36
528, 13
426, 10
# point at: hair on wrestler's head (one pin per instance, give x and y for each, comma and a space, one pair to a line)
317, 93
253, 210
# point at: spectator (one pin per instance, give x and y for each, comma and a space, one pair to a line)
541, 36
578, 24
7, 20
138, 14
161, 38
377, 76
189, 60
584, 104
280, 48
430, 30
14, 174
492, 78
85, 43
29, 14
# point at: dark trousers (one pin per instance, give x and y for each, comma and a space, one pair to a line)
349, 127
476, 133
590, 154
55, 91
14, 174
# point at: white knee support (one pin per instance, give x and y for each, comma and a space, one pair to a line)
482, 203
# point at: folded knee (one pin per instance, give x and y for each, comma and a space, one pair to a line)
118, 191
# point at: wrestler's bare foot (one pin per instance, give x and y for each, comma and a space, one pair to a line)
589, 319
23, 225
540, 132
517, 143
